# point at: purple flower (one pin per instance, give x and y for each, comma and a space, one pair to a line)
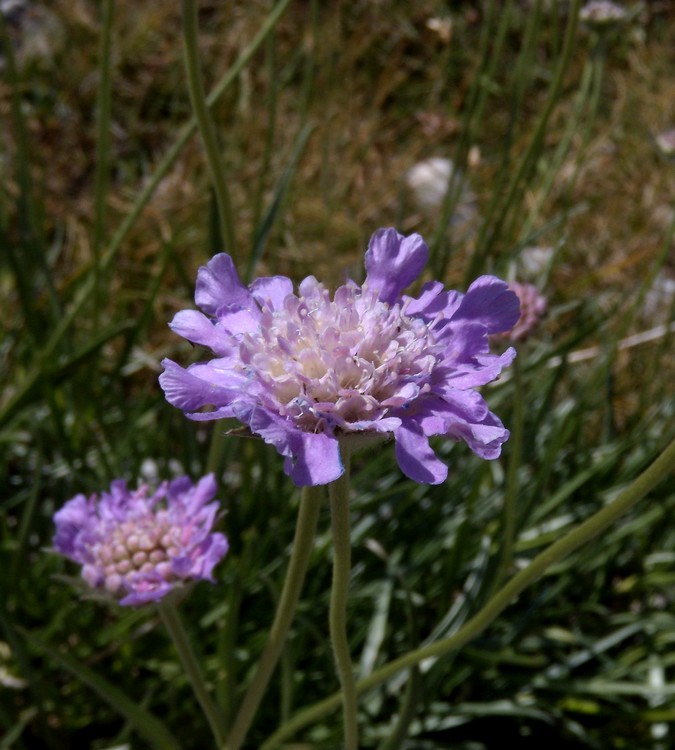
306, 371
137, 545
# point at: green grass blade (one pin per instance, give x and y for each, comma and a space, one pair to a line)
44, 372
275, 208
147, 726
103, 138
87, 289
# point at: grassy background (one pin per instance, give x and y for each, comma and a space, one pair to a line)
554, 129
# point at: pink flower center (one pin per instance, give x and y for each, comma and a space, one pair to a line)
343, 361
138, 546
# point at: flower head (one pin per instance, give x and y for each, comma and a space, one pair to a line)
533, 307
137, 545
306, 371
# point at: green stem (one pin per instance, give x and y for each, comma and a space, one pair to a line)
342, 554
101, 179
215, 455
415, 684
169, 614
493, 224
511, 496
205, 124
227, 684
574, 539
554, 163
489, 53
406, 713
305, 530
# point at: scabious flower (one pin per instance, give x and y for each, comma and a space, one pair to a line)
307, 371
138, 545
533, 307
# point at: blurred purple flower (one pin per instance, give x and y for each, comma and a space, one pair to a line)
533, 307
306, 372
137, 545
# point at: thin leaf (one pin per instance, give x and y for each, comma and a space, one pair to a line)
148, 726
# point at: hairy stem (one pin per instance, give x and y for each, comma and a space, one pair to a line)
569, 543
340, 522
174, 626
305, 530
